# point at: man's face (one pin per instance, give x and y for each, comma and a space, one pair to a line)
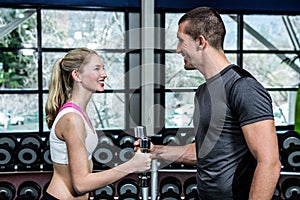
186, 46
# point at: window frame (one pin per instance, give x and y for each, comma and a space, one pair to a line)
160, 56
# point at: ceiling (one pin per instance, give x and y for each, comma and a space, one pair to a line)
280, 6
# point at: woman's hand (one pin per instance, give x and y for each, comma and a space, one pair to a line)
141, 162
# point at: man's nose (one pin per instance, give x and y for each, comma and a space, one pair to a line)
178, 48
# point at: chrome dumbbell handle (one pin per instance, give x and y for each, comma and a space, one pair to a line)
140, 133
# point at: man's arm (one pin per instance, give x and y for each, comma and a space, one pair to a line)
180, 154
262, 141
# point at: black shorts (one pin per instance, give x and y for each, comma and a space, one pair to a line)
47, 196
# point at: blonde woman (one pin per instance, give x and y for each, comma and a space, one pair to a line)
72, 138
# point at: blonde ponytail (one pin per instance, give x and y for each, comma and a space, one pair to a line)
56, 95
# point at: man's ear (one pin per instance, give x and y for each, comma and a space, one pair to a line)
75, 76
201, 42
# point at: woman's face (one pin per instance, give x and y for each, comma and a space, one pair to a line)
93, 74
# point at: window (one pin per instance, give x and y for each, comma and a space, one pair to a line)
25, 72
269, 46
32, 39
18, 70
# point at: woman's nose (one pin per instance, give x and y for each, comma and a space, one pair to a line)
103, 74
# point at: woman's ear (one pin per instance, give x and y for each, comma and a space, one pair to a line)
75, 76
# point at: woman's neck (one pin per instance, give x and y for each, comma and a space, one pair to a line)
81, 102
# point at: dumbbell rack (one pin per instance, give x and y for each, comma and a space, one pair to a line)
41, 174
181, 175
43, 177
37, 180
184, 174
284, 176
289, 150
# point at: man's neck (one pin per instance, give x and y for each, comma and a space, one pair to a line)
214, 63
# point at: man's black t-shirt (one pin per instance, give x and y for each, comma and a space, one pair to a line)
224, 104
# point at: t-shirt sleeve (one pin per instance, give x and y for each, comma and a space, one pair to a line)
250, 101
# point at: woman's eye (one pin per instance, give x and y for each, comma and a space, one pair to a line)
101, 69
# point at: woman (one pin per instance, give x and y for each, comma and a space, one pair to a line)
72, 138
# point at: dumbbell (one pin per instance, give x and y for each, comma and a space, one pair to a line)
290, 188
104, 156
290, 158
105, 193
126, 150
7, 191
190, 139
186, 135
170, 188
47, 162
29, 152
288, 139
190, 189
289, 145
141, 134
29, 190
171, 138
277, 193
128, 189
8, 145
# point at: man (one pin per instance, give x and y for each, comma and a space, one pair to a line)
235, 150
